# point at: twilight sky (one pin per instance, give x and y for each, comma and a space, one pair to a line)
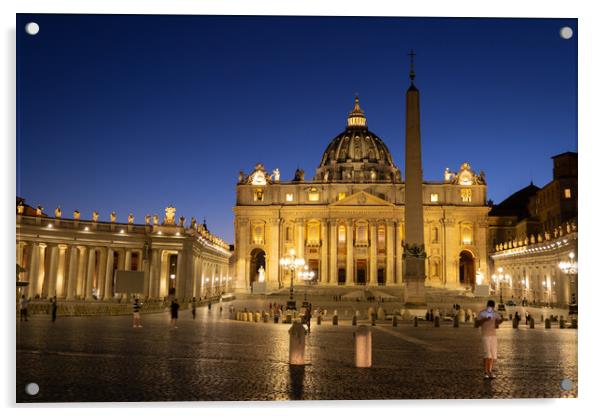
132, 113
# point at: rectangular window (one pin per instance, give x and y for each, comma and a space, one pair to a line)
314, 196
342, 195
434, 197
289, 197
341, 234
567, 193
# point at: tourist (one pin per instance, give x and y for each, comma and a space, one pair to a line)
23, 302
174, 313
488, 319
136, 310
193, 307
53, 308
527, 318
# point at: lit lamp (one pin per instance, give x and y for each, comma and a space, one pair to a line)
570, 268
499, 278
306, 275
292, 263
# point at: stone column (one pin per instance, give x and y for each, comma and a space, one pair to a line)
145, 266
398, 254
81, 271
108, 286
349, 262
61, 272
324, 268
333, 242
390, 246
72, 274
102, 273
33, 270
51, 276
242, 251
128, 259
450, 252
273, 252
90, 274
372, 272
300, 238
180, 275
42, 270
155, 272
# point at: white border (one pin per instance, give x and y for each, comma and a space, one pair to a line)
590, 71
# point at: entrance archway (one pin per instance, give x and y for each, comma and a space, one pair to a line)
467, 269
257, 261
360, 272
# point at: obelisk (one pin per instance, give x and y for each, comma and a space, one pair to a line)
414, 256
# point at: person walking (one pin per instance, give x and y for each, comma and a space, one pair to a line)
136, 312
209, 305
174, 313
23, 302
53, 308
193, 307
488, 320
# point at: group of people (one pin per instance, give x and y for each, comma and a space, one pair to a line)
24, 304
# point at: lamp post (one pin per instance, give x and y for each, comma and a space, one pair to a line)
570, 269
292, 263
306, 275
499, 278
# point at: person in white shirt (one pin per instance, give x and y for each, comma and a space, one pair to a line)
488, 320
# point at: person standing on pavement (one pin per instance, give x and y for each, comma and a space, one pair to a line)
174, 313
209, 305
23, 302
136, 312
488, 320
193, 307
53, 308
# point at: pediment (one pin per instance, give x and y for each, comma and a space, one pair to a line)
361, 199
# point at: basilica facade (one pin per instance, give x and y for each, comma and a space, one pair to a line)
347, 222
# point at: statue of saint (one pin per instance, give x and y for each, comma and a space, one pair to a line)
39, 210
95, 216
276, 175
155, 219
192, 223
170, 214
57, 212
181, 222
76, 215
241, 177
130, 218
373, 175
20, 208
147, 219
113, 216
447, 175
261, 274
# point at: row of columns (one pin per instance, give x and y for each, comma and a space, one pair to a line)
80, 271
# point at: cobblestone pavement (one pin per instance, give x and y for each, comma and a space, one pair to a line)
214, 358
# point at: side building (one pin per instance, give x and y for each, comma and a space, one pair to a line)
76, 259
533, 240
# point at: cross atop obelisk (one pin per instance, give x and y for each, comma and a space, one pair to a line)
414, 256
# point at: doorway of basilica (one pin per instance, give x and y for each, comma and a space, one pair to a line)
467, 269
360, 272
257, 262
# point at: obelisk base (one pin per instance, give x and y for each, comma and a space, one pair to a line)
414, 294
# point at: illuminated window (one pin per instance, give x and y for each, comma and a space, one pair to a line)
466, 194
314, 195
342, 195
567, 193
258, 194
313, 233
434, 197
289, 197
381, 239
466, 234
361, 234
258, 233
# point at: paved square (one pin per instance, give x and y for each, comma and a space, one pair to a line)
214, 358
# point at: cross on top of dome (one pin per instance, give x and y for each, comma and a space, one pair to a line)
357, 117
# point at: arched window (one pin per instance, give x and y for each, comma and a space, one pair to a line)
342, 234
361, 234
466, 233
313, 233
381, 237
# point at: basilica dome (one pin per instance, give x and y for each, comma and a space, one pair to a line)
357, 154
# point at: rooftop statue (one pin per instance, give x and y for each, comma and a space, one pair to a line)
170, 214
95, 216
57, 212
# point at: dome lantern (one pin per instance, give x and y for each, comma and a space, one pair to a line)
357, 117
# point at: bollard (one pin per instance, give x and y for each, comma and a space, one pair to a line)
436, 322
296, 353
266, 316
541, 318
561, 323
319, 319
335, 319
456, 321
532, 323
238, 316
548, 323
373, 320
476, 323
354, 320
380, 314
509, 316
363, 347
515, 323
415, 321
394, 320
257, 317
275, 319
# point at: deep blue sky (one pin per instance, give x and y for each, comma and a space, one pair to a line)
132, 113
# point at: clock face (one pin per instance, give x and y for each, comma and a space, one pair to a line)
465, 178
258, 178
